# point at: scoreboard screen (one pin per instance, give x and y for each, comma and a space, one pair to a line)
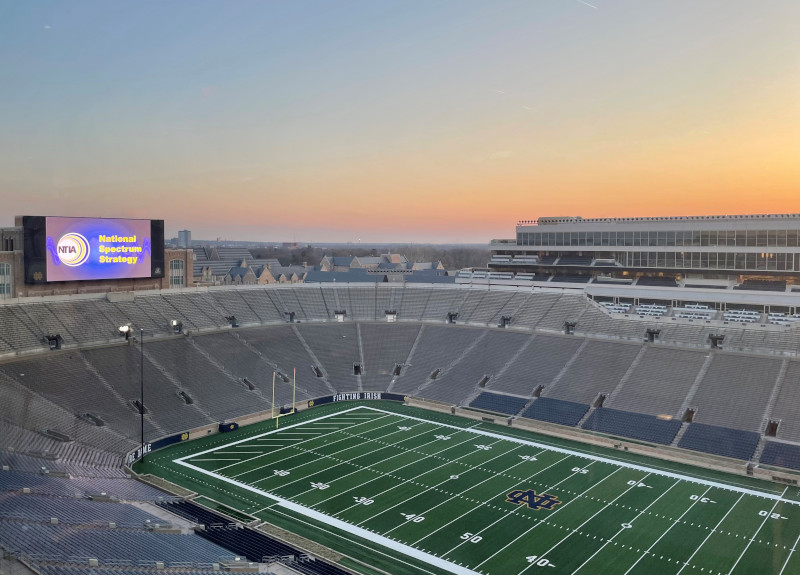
60, 249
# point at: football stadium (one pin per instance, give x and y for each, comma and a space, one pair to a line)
615, 395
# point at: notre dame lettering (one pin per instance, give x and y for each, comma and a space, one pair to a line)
532, 499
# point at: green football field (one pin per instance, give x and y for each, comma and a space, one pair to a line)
412, 491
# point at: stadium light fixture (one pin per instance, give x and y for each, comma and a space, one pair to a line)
141, 384
125, 331
176, 325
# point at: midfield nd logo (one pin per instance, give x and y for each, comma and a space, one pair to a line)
532, 499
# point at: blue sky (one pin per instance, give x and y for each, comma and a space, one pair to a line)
396, 121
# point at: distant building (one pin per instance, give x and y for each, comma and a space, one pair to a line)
750, 252
185, 239
237, 266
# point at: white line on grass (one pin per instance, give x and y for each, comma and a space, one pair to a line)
619, 463
488, 500
484, 529
579, 527
370, 548
789, 556
674, 523
408, 550
685, 563
433, 486
753, 538
360, 468
327, 445
384, 474
642, 512
561, 508
271, 433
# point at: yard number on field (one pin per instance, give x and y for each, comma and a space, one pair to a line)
413, 518
472, 538
763, 513
538, 561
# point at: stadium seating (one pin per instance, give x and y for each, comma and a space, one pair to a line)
107, 545
69, 510
633, 425
720, 441
556, 411
499, 403
781, 455
195, 513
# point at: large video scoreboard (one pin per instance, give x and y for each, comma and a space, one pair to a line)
59, 249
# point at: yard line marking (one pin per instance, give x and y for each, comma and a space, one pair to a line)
273, 432
218, 459
382, 474
406, 465
306, 477
785, 563
521, 535
293, 455
371, 548
760, 527
479, 483
709, 535
625, 464
629, 522
434, 486
339, 524
674, 523
485, 501
579, 527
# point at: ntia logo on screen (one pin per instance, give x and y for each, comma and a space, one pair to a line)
72, 249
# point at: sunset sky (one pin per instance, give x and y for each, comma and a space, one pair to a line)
402, 121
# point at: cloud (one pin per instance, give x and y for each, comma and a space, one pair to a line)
47, 27
587, 4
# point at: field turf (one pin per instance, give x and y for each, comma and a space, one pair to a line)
411, 491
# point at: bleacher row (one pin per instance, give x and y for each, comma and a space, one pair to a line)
52, 523
199, 380
94, 319
71, 413
735, 443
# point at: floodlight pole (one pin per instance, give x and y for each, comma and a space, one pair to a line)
273, 396
294, 387
141, 385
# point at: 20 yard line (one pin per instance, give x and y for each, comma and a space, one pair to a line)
785, 563
753, 538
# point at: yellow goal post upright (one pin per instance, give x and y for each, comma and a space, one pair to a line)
294, 396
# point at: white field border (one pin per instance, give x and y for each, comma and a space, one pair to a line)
406, 549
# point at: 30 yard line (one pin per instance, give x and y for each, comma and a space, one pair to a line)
382, 474
707, 536
610, 539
